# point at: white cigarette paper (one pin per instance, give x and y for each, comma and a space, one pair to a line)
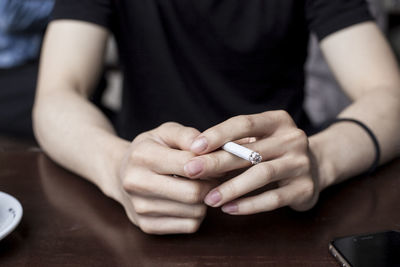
242, 152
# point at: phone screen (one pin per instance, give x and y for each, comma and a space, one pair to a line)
379, 249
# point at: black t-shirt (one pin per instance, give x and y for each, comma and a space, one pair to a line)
199, 62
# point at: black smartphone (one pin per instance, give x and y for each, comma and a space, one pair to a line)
377, 249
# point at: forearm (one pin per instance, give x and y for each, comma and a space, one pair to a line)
75, 134
345, 149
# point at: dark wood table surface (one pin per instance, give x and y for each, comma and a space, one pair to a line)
68, 222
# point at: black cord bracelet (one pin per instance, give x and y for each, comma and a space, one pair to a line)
375, 163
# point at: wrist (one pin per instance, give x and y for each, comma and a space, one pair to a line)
109, 180
327, 172
343, 150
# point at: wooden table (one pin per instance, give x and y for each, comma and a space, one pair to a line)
68, 222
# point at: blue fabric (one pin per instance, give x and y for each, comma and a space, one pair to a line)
22, 23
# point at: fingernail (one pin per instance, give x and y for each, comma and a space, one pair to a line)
193, 167
199, 145
230, 208
213, 198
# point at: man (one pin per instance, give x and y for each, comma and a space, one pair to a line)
192, 66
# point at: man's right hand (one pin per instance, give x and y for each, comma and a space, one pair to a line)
152, 187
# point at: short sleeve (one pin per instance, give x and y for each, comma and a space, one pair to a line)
95, 11
328, 16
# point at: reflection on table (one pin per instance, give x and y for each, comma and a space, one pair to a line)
69, 222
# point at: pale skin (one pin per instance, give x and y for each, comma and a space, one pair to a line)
166, 178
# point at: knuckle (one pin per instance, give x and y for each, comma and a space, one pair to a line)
283, 117
282, 113
301, 138
127, 183
200, 211
195, 194
190, 132
299, 134
141, 208
212, 162
192, 226
134, 184
290, 137
150, 226
106, 190
303, 164
148, 229
308, 188
266, 170
214, 133
188, 135
246, 121
277, 199
137, 154
297, 138
252, 206
141, 137
167, 125
141, 154
232, 189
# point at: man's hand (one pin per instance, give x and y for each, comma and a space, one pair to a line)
152, 192
287, 160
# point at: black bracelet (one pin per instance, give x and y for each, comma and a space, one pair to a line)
375, 163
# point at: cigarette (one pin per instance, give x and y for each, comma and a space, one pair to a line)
242, 152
